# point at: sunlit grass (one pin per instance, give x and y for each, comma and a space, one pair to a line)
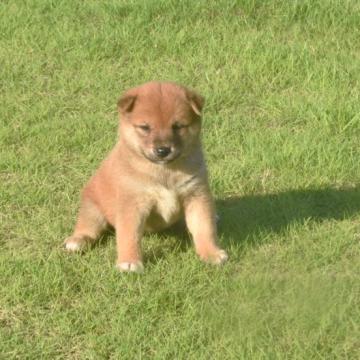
281, 134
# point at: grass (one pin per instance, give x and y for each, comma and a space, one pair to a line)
281, 134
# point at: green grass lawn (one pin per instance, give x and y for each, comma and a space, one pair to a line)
282, 138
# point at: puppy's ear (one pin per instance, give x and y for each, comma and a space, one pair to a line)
196, 101
126, 102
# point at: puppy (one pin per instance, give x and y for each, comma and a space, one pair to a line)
155, 175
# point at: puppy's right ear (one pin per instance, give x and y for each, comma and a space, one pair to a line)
196, 101
126, 103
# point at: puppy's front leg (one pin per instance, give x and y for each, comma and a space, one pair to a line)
200, 220
130, 221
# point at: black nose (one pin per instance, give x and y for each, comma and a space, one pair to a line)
162, 151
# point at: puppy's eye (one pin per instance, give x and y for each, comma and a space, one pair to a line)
178, 126
144, 128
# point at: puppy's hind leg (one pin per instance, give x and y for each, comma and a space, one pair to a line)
90, 224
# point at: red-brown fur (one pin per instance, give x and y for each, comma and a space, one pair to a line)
135, 189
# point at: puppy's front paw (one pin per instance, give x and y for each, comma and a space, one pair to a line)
216, 257
76, 243
220, 257
136, 267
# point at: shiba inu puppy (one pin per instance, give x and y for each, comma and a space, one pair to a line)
154, 175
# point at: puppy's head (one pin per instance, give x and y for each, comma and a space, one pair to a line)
161, 121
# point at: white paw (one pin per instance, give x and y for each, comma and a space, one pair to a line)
217, 257
220, 257
136, 267
72, 246
76, 243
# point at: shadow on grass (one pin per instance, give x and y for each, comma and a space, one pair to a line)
243, 218
175, 238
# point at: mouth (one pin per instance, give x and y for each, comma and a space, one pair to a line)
162, 161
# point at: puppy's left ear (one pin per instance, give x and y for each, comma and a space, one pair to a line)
127, 102
196, 101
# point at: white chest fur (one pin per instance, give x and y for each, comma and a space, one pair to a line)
167, 203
